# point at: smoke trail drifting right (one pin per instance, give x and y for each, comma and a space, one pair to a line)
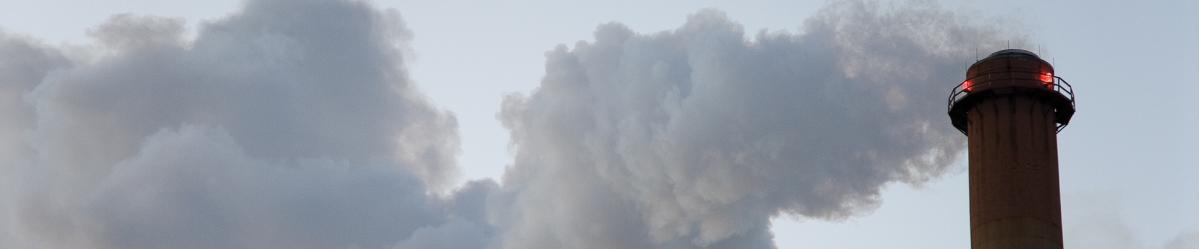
696, 137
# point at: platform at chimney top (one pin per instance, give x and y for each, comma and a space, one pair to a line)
1007, 72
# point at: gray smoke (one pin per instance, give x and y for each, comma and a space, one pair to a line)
696, 137
291, 124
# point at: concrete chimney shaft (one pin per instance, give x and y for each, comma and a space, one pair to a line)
1011, 107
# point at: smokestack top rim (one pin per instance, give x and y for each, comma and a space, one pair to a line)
1013, 52
1009, 55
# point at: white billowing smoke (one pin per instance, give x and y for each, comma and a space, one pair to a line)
291, 124
696, 137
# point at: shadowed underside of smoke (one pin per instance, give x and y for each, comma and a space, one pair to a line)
697, 136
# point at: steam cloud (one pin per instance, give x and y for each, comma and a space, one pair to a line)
292, 124
696, 137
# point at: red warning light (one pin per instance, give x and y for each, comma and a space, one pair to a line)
1047, 79
967, 86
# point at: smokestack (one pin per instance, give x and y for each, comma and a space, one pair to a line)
1011, 107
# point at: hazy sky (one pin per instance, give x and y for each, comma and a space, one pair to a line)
1127, 159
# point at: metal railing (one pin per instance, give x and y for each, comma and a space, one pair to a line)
1059, 85
960, 91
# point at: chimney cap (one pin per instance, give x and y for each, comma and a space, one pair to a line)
1013, 52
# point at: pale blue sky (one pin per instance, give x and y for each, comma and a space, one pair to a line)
1128, 171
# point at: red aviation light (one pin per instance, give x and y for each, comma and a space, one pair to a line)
1047, 79
967, 86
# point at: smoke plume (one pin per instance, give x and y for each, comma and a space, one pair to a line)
696, 137
291, 124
